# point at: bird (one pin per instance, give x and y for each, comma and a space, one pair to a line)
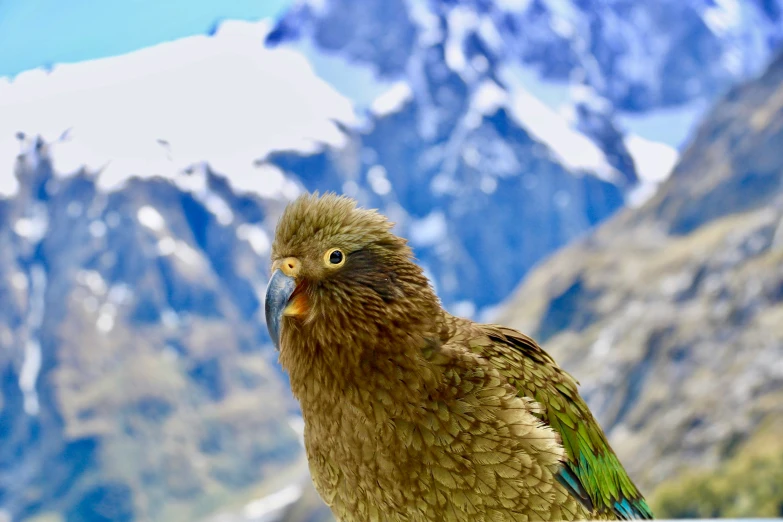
414, 414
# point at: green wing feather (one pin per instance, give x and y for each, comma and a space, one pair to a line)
592, 473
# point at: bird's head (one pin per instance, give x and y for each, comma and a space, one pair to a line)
339, 275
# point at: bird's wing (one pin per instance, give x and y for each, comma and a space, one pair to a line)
592, 472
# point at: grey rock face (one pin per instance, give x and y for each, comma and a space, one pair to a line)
670, 314
135, 382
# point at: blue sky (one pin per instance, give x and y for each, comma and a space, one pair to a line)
35, 33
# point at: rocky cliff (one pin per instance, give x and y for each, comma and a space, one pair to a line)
671, 316
134, 380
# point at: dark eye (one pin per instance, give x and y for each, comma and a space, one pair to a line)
336, 257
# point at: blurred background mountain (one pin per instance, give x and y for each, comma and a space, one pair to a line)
604, 175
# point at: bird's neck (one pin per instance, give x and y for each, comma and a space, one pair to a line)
327, 364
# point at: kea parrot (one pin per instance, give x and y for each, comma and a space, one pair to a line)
413, 414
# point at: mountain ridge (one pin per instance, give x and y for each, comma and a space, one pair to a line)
669, 314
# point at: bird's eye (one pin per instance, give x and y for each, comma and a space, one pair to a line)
334, 258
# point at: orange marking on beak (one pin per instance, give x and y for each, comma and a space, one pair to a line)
297, 305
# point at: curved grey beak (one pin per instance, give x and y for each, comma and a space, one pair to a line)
278, 292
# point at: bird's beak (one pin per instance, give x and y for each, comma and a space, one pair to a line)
285, 296
278, 292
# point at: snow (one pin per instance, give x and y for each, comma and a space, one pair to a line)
480, 63
263, 508
170, 319
603, 344
489, 33
464, 309
219, 208
443, 184
194, 180
586, 95
19, 280
427, 21
90, 304
34, 225
553, 94
722, 15
429, 230
256, 237
643, 58
471, 156
654, 161
267, 180
31, 366
120, 293
105, 322
150, 218
393, 100
461, 21
427, 124
97, 228
488, 98
92, 280
488, 185
30, 229
564, 17
28, 376
226, 99
745, 32
517, 6
9, 150
430, 277
376, 176
298, 425
167, 246
733, 60
181, 250
573, 150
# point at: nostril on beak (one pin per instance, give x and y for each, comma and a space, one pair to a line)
290, 266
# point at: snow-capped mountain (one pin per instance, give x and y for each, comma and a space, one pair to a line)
626, 56
134, 378
483, 128
506, 129
140, 194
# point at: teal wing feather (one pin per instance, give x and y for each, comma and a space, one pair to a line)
592, 472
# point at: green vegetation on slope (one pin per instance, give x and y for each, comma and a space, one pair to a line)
749, 484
